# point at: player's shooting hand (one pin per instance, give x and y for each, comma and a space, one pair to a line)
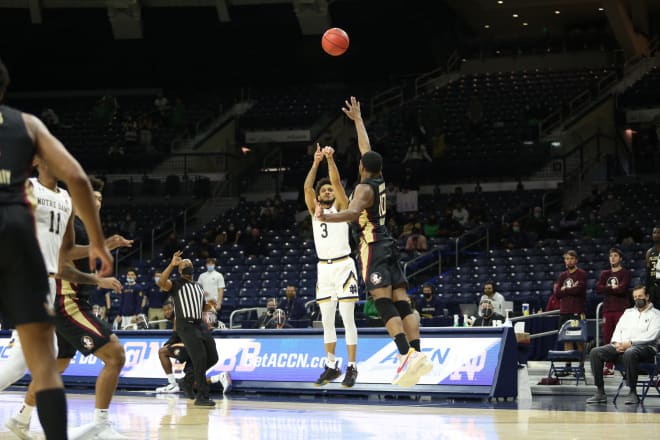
176, 258
102, 254
110, 283
328, 152
117, 241
318, 210
352, 109
318, 155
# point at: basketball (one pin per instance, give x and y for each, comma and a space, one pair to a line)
335, 41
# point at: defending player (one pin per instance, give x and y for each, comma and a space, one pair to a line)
379, 257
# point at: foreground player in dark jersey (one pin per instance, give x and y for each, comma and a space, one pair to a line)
22, 270
379, 257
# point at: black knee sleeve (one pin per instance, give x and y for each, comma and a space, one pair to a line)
403, 307
386, 309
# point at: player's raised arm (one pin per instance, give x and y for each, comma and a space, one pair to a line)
67, 169
310, 194
362, 199
341, 201
352, 110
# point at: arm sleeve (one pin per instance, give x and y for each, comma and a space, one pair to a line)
601, 286
624, 285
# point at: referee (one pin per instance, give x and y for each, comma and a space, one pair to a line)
188, 304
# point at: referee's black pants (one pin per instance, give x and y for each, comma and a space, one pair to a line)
200, 346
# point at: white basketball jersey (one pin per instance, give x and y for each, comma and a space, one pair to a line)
330, 239
52, 216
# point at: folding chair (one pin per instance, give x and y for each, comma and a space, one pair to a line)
571, 331
650, 369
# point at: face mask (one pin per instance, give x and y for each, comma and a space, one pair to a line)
487, 313
428, 295
156, 279
210, 268
270, 309
130, 280
188, 271
516, 229
640, 303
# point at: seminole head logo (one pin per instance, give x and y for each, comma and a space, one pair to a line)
87, 342
613, 282
568, 283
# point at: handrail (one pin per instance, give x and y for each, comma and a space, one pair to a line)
479, 240
534, 315
391, 96
250, 309
424, 268
183, 213
598, 307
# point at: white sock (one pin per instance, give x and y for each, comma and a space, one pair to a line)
215, 379
352, 364
171, 379
331, 362
24, 414
100, 415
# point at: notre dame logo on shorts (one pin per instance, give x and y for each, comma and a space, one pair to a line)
87, 342
375, 278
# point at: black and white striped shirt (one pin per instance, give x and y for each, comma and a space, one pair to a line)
188, 300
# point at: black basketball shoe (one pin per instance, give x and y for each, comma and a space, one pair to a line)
328, 375
349, 377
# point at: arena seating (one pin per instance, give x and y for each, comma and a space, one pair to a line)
644, 93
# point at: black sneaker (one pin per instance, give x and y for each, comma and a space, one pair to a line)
204, 401
187, 387
328, 375
349, 377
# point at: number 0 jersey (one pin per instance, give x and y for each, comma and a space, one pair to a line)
330, 239
52, 216
372, 220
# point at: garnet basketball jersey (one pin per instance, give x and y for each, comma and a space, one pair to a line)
52, 217
330, 239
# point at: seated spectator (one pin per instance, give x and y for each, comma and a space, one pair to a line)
430, 305
369, 310
431, 227
460, 215
271, 306
292, 305
416, 242
278, 320
162, 104
414, 311
157, 299
487, 314
634, 341
411, 224
131, 301
630, 233
570, 220
496, 298
536, 226
516, 238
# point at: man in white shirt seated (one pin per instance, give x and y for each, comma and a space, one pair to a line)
635, 341
213, 284
497, 299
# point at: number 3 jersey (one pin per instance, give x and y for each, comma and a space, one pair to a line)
330, 239
52, 217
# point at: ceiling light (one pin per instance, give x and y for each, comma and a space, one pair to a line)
487, 26
515, 15
601, 9
557, 12
497, 52
499, 2
525, 24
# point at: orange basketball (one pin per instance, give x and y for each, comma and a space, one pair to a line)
335, 41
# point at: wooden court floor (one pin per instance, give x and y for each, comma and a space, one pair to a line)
148, 416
